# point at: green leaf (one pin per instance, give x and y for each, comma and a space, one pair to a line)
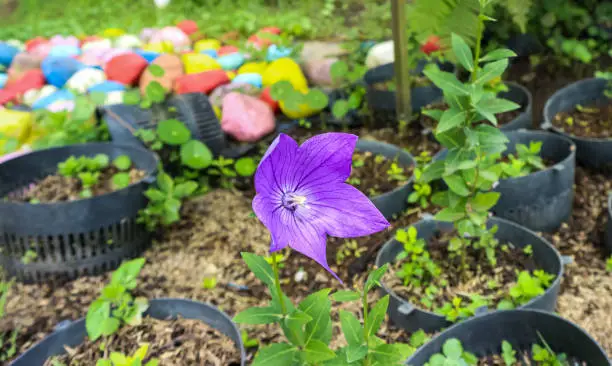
317, 351
433, 113
292, 326
451, 118
452, 349
278, 354
498, 54
482, 202
316, 99
98, 321
258, 315
505, 305
127, 273
456, 184
338, 70
449, 215
377, 315
446, 81
496, 105
345, 295
356, 352
374, 277
433, 171
155, 92
121, 180
173, 132
165, 182
185, 189
196, 155
122, 162
260, 268
156, 70
390, 354
340, 108
154, 195
318, 306
491, 139
490, 71
462, 52
351, 327
245, 167
131, 97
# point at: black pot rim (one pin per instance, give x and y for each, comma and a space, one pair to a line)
402, 301
148, 178
400, 152
548, 125
239, 345
482, 317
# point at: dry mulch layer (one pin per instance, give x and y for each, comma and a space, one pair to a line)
172, 342
58, 188
586, 121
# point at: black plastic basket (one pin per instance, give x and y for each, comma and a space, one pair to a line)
74, 333
83, 237
484, 334
193, 109
411, 318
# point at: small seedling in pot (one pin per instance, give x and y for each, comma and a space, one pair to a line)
122, 163
8, 346
418, 268
545, 356
358, 161
121, 180
395, 172
347, 79
529, 286
456, 310
349, 248
245, 167
528, 250
209, 283
248, 342
508, 354
119, 359
609, 264
88, 180
452, 354
29, 256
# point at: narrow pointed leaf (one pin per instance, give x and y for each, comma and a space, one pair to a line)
498, 54
278, 354
462, 52
258, 315
377, 315
260, 268
351, 327
446, 81
451, 118
490, 71
317, 351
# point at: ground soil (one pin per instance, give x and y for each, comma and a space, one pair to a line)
172, 342
586, 121
369, 174
58, 188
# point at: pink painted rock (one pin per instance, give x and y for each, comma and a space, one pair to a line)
94, 57
217, 96
110, 54
246, 118
64, 41
125, 69
173, 35
203, 82
318, 71
146, 34
173, 69
34, 42
42, 49
14, 154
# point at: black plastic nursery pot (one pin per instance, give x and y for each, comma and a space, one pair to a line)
484, 334
591, 152
543, 200
395, 201
608, 232
411, 318
193, 109
351, 119
521, 96
75, 333
83, 237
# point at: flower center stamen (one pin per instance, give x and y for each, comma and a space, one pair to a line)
291, 201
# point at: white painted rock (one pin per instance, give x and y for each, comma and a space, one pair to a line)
380, 54
83, 79
61, 106
99, 44
31, 96
128, 41
114, 97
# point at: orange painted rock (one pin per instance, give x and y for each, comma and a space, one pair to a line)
125, 68
173, 69
203, 82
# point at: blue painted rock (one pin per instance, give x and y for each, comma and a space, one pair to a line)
150, 56
107, 87
248, 78
64, 51
85, 78
3, 79
7, 53
58, 70
231, 61
275, 52
210, 52
58, 95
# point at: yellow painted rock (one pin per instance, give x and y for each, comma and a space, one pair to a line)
206, 44
160, 47
15, 124
231, 75
285, 69
253, 68
217, 112
113, 32
197, 62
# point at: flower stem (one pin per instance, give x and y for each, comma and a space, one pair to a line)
281, 298
364, 301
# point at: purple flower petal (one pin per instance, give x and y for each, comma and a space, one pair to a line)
272, 174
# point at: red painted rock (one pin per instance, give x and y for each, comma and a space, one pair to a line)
31, 79
267, 98
32, 43
173, 69
246, 118
21, 63
7, 96
226, 50
188, 27
126, 68
42, 49
203, 82
273, 30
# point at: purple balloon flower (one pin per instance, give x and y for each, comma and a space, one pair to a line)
302, 195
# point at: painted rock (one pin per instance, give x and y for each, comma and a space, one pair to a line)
206, 44
3, 79
210, 52
267, 98
126, 68
231, 75
203, 82
7, 53
17, 44
216, 97
83, 79
231, 61
59, 95
253, 67
321, 50
128, 41
58, 70
188, 27
21, 63
15, 124
159, 47
275, 52
112, 32
174, 35
8, 96
248, 78
114, 97
197, 63
94, 57
61, 106
150, 56
106, 87
59, 40
146, 34
246, 118
319, 71
31, 96
31, 79
273, 30
173, 69
104, 44
380, 54
285, 69
114, 52
64, 51
226, 50
42, 50
32, 43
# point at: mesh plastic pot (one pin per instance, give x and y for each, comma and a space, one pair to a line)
74, 333
83, 237
384, 100
193, 109
411, 318
519, 95
484, 334
543, 200
591, 152
608, 232
396, 201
